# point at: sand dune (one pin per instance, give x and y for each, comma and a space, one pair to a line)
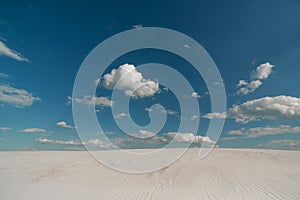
224, 174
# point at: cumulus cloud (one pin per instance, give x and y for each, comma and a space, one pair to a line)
190, 138
33, 130
16, 97
3, 75
5, 128
92, 100
195, 95
262, 131
63, 124
6, 51
121, 115
271, 108
262, 72
249, 87
133, 85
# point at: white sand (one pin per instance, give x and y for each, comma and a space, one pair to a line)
225, 174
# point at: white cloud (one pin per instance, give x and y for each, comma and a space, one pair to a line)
33, 130
193, 117
148, 109
63, 124
214, 115
190, 138
249, 87
262, 72
143, 134
262, 131
47, 141
161, 108
195, 95
16, 97
187, 46
5, 128
93, 100
121, 115
97, 81
294, 144
5, 51
96, 142
133, 85
3, 75
137, 26
169, 112
271, 108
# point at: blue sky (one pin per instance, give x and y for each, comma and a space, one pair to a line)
44, 43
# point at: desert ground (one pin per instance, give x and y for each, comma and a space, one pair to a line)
224, 174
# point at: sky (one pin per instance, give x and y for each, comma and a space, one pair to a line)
254, 44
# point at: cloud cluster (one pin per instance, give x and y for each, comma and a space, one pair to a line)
190, 138
128, 79
293, 144
92, 100
5, 51
33, 130
16, 97
271, 108
263, 131
63, 124
262, 72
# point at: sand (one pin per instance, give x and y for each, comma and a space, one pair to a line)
224, 174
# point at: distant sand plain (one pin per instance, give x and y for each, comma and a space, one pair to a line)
229, 174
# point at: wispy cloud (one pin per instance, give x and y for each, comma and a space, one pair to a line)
33, 130
95, 142
92, 100
291, 144
120, 115
5, 128
6, 51
137, 26
3, 75
263, 131
63, 124
16, 97
47, 141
